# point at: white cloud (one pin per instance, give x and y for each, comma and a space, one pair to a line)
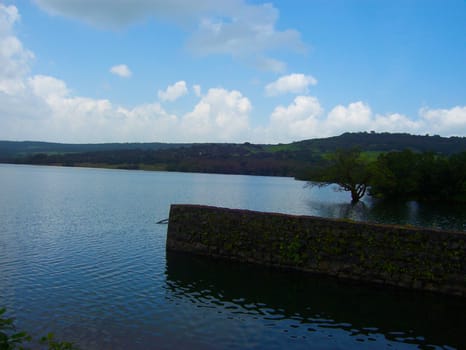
219, 115
8, 16
270, 64
111, 13
451, 122
121, 70
358, 116
293, 83
296, 121
48, 87
173, 92
41, 107
59, 116
231, 27
148, 122
396, 122
304, 119
197, 90
44, 108
14, 58
247, 33
355, 117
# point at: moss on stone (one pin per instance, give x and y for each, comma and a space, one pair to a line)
404, 256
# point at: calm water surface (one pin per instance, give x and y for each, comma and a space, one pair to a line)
81, 255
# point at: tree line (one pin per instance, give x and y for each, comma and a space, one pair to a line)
244, 159
397, 175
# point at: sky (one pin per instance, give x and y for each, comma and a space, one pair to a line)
93, 71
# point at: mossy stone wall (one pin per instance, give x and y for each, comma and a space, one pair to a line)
403, 256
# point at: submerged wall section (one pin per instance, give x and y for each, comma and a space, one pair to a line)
410, 257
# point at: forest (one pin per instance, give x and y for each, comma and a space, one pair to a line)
403, 175
421, 176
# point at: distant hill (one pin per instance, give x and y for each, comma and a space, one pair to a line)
13, 149
386, 142
292, 159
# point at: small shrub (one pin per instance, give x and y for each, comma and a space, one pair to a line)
10, 339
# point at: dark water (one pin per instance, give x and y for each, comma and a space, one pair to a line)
330, 203
81, 255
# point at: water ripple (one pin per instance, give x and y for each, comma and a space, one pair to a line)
81, 255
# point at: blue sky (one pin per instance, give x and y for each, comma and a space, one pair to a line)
231, 70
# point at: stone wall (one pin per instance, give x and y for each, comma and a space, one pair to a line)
410, 257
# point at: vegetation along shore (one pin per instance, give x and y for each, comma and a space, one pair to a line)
389, 165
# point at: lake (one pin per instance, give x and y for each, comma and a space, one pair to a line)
81, 255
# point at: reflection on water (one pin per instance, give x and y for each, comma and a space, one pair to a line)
81, 255
312, 310
328, 202
437, 215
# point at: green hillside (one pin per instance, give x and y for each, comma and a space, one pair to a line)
294, 159
16, 149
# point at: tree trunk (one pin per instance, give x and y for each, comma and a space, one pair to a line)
354, 196
357, 192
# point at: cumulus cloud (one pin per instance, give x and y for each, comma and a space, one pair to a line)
173, 92
295, 121
48, 87
197, 90
304, 118
219, 115
445, 121
14, 58
121, 70
45, 108
350, 118
59, 116
41, 107
292, 83
232, 27
396, 122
